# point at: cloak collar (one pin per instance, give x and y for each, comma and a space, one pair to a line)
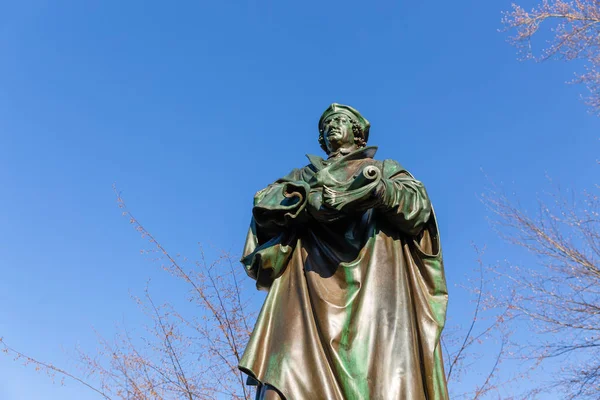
363, 152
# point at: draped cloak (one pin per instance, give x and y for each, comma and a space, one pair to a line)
356, 300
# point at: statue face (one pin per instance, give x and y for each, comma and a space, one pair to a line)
337, 132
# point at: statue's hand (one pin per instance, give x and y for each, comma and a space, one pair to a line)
315, 199
319, 209
379, 191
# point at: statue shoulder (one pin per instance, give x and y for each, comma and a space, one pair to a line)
392, 167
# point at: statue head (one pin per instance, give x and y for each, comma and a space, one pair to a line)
342, 128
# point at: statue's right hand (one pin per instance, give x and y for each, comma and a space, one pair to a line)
319, 209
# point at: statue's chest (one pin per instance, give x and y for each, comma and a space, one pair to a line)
341, 174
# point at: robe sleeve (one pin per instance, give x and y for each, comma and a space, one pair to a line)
403, 199
265, 262
270, 241
406, 206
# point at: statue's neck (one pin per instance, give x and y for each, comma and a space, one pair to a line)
342, 151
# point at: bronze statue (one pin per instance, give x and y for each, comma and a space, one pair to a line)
348, 249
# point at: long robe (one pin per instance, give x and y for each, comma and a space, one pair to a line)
356, 300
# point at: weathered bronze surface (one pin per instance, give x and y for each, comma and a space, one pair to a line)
348, 249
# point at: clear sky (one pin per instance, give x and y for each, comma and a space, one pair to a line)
192, 106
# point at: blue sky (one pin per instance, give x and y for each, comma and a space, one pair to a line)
172, 101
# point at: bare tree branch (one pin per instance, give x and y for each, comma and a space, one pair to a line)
559, 297
575, 27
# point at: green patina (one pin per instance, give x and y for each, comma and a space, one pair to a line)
317, 335
353, 352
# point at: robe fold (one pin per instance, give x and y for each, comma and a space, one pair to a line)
357, 296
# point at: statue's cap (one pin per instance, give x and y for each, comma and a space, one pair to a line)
336, 108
